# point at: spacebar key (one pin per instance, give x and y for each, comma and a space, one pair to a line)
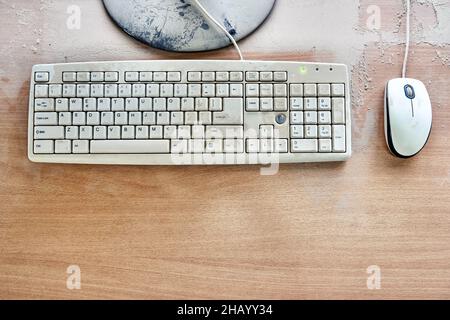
130, 146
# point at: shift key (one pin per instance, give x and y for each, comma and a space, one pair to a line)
48, 132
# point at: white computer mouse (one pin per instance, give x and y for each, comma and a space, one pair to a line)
407, 116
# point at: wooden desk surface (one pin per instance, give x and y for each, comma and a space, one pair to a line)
309, 231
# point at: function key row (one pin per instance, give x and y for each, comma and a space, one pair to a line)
210, 76
317, 90
109, 76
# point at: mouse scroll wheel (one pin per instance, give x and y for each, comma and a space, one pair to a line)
409, 92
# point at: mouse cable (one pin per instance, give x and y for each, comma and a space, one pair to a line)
408, 32
210, 17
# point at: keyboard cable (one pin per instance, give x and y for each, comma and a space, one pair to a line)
408, 36
218, 24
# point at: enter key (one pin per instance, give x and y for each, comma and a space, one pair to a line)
233, 112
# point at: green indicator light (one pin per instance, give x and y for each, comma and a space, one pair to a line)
303, 70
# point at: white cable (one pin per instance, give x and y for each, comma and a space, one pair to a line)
206, 13
408, 31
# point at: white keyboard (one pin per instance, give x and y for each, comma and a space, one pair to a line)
189, 112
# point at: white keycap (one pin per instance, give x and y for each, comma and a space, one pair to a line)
128, 132
208, 90
194, 90
159, 104
222, 76
174, 76
339, 138
107, 118
120, 118
280, 104
149, 118
324, 104
142, 132
80, 146
125, 90
338, 110
187, 104
63, 146
135, 118
338, 90
118, 104
296, 117
44, 105
296, 104
86, 133
324, 131
201, 104
204, 117
97, 90
145, 76
184, 132
252, 145
97, 76
83, 90
138, 90
266, 131
324, 89
310, 90
236, 90
296, 90
111, 90
48, 132
83, 76
93, 118
236, 76
130, 146
280, 76
304, 145
76, 104
190, 118
55, 90
266, 90
111, 76
233, 112
104, 104
213, 146
131, 104
177, 118
194, 76
160, 76
79, 118
280, 90
114, 132
41, 91
100, 132
89, 104
222, 90
153, 90
310, 117
297, 132
69, 90
145, 104
252, 90
65, 118
233, 146
310, 103
224, 132
131, 76
325, 145
43, 147
179, 146
69, 76
266, 104
311, 131
215, 104
266, 76
166, 90
46, 118
163, 118
324, 117
252, 104
62, 104
280, 145
208, 76
156, 132
71, 132
196, 146
252, 76
180, 90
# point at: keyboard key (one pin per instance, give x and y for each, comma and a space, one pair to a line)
252, 76
44, 105
130, 146
338, 110
324, 89
131, 76
304, 145
208, 76
266, 76
41, 91
310, 90
338, 90
80, 146
41, 76
222, 76
280, 76
174, 76
236, 76
194, 76
63, 146
83, 76
69, 76
48, 132
160, 76
97, 76
297, 90
325, 145
111, 76
233, 112
43, 147
145, 76
339, 138
46, 118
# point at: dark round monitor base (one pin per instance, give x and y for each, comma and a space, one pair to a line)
176, 25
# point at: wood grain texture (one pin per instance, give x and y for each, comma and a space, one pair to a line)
308, 232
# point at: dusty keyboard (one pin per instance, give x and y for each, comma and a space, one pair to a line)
189, 112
